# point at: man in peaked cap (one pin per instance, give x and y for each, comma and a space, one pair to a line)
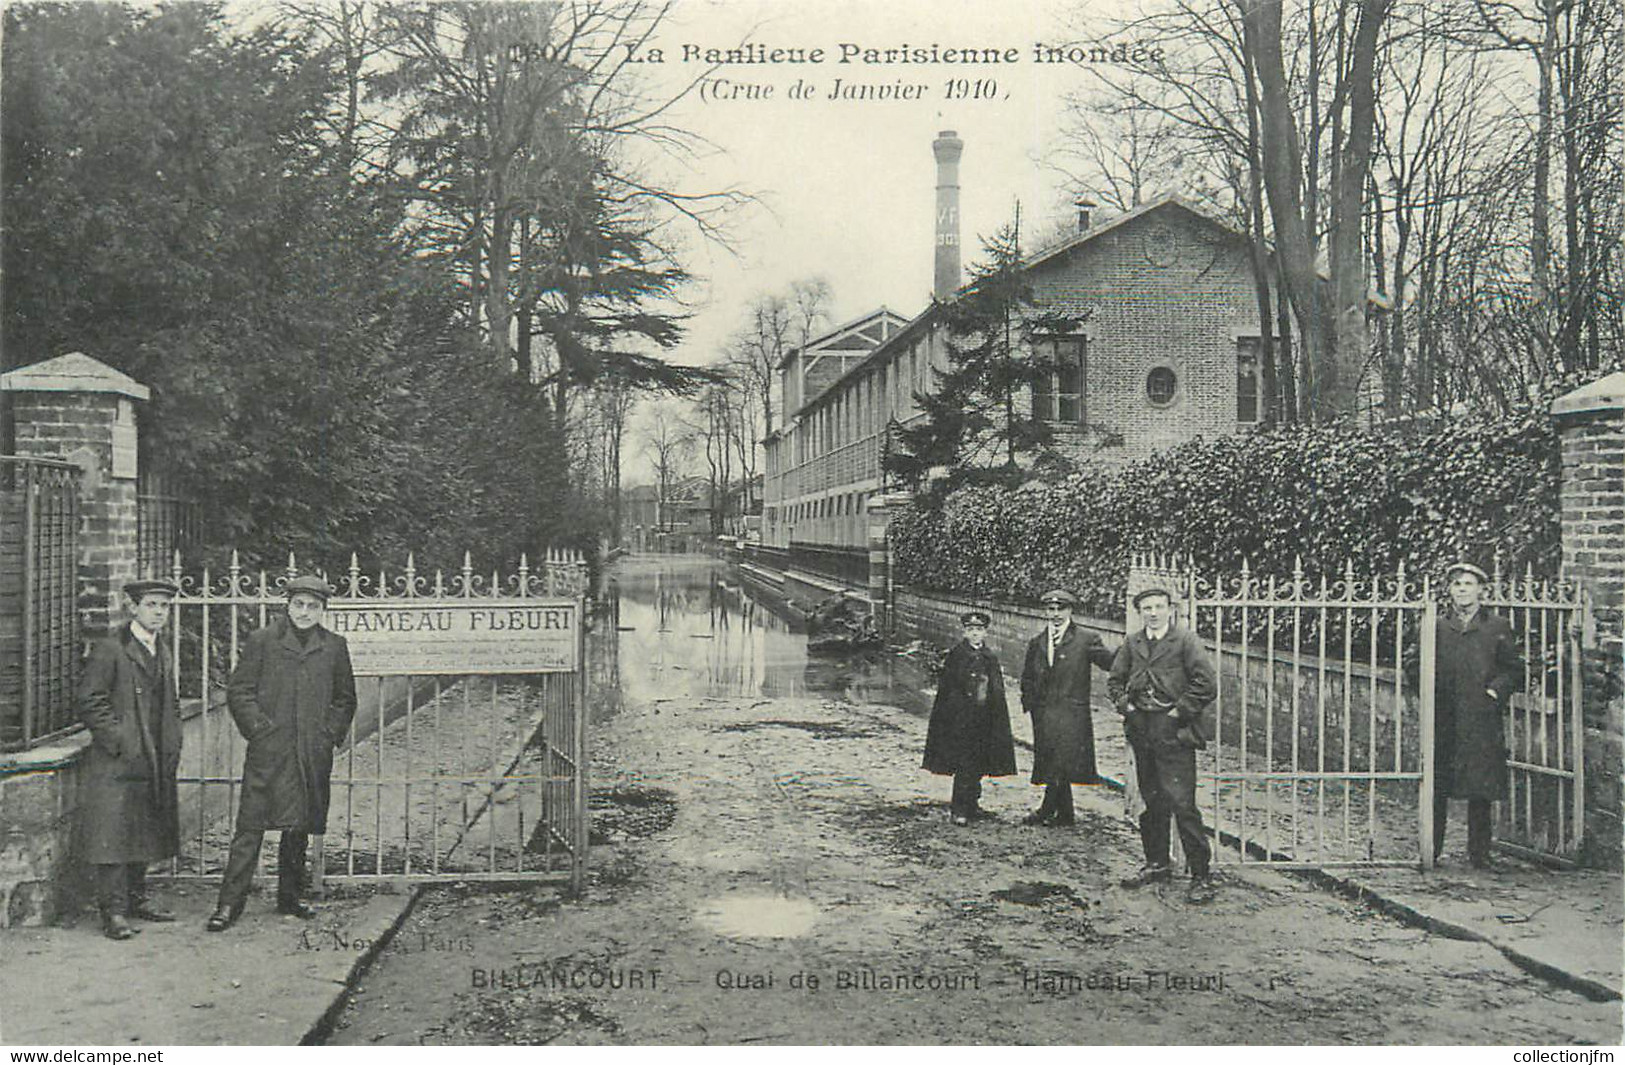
292, 697
1055, 683
128, 814
1163, 683
969, 733
1477, 669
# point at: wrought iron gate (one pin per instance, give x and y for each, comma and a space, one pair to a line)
466, 759
1544, 815
1324, 752
1322, 755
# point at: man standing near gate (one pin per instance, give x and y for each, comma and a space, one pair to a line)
1164, 685
129, 817
292, 696
1055, 682
1477, 668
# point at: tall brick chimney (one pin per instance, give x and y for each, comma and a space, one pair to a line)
947, 148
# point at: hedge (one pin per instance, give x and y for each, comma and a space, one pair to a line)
1470, 489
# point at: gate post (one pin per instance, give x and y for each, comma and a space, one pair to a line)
1591, 424
1426, 634
75, 408
881, 508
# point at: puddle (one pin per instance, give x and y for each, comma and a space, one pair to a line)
759, 916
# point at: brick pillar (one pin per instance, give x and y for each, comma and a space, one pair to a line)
1591, 424
881, 508
75, 408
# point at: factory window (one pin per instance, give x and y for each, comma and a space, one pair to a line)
1058, 395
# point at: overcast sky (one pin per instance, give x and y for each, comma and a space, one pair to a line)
848, 186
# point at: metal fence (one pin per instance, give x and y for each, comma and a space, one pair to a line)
1544, 815
455, 767
1324, 748
166, 522
39, 590
834, 562
1321, 755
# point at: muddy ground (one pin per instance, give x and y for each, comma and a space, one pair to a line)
779, 871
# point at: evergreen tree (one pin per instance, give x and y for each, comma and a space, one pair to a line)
980, 423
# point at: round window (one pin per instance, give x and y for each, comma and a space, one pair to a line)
1159, 386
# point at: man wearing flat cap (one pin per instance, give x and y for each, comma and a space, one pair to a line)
969, 735
1164, 684
128, 813
1055, 682
292, 696
1477, 668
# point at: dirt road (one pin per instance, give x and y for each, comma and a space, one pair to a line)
778, 871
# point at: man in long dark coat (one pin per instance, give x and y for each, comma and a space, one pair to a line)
1478, 668
292, 696
1055, 683
969, 735
128, 815
1163, 683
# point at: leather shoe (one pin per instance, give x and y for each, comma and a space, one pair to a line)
1149, 874
114, 926
143, 910
223, 918
295, 908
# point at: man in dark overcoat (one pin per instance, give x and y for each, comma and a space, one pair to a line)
1055, 682
292, 696
969, 735
1163, 683
128, 815
1477, 668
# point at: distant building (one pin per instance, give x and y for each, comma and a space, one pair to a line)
1168, 350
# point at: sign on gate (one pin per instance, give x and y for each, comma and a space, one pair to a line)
466, 758
447, 637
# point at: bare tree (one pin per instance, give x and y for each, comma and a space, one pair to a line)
668, 444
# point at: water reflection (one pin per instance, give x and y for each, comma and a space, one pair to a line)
674, 626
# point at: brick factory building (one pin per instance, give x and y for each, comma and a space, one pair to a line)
1168, 350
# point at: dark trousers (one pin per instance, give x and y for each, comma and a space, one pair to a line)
967, 793
1057, 801
245, 854
1166, 772
120, 886
1478, 826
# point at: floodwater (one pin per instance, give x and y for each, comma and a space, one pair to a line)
685, 626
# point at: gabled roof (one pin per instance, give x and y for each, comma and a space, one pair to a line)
860, 334
1043, 255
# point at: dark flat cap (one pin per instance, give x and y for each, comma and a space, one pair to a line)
975, 617
309, 585
136, 590
1153, 590
1466, 567
1059, 595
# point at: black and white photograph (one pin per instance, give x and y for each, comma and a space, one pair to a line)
744, 523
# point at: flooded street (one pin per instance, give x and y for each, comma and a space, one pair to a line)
771, 866
686, 626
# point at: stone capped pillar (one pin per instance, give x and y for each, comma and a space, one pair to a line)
76, 408
1591, 424
881, 508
